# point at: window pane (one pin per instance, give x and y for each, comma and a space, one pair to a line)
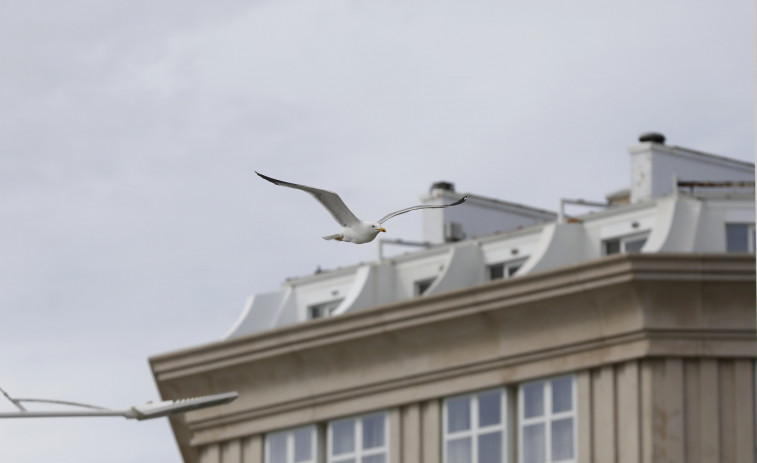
490, 448
736, 237
634, 245
533, 400
324, 309
316, 311
612, 247
533, 444
496, 271
374, 459
511, 269
562, 439
423, 285
489, 408
343, 437
303, 444
458, 414
562, 395
373, 431
277, 447
459, 450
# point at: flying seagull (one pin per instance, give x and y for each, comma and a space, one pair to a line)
355, 230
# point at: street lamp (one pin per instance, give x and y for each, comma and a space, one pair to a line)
145, 411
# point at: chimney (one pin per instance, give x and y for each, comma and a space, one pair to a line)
643, 157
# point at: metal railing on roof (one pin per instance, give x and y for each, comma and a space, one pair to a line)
692, 185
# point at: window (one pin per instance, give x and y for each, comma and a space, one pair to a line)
547, 420
504, 269
739, 237
475, 428
629, 244
324, 309
292, 446
422, 286
359, 440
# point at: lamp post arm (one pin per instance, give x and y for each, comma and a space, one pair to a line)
69, 413
63, 402
145, 411
13, 401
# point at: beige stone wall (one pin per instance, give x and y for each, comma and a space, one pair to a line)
654, 410
244, 450
660, 410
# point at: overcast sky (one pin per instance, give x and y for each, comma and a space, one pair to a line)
131, 223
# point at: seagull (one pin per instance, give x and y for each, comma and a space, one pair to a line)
355, 230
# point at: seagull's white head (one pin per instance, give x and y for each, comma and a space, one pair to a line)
375, 226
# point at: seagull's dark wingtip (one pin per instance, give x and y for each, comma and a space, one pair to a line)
272, 180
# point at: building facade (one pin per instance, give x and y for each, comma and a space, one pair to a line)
626, 334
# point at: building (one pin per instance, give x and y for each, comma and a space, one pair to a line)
515, 335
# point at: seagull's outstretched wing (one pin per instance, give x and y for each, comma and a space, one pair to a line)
402, 211
330, 200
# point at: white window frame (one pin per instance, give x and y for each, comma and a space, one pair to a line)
507, 268
548, 417
359, 452
475, 430
326, 309
622, 240
314, 438
425, 283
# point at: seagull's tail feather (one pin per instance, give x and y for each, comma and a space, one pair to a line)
337, 236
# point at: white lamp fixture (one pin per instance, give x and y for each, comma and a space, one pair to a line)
145, 411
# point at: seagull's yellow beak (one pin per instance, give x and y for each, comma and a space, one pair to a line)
382, 229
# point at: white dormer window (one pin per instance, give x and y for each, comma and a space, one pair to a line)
323, 310
421, 286
624, 244
739, 237
504, 269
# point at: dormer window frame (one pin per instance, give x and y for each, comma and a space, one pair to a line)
624, 243
420, 287
323, 309
505, 269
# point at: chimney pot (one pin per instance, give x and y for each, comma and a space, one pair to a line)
449, 186
654, 137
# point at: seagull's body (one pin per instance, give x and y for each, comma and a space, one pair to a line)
355, 230
360, 233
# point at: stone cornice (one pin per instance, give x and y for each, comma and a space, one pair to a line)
459, 303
